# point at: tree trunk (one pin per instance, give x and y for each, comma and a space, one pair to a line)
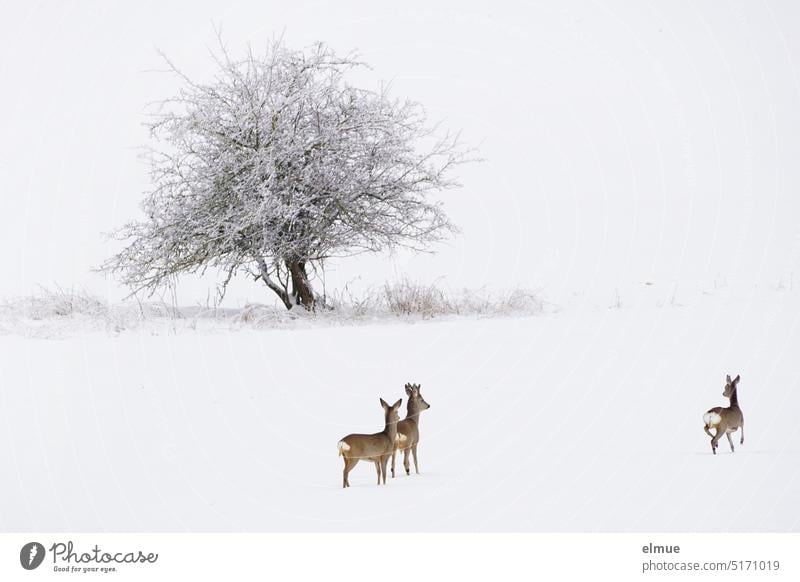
279, 291
301, 288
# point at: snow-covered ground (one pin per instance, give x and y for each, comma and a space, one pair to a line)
587, 418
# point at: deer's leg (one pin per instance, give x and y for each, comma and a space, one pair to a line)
708, 432
378, 469
730, 440
741, 440
715, 441
406, 452
348, 466
353, 463
394, 454
384, 463
414, 452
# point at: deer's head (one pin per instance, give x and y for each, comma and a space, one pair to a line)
415, 398
730, 386
391, 411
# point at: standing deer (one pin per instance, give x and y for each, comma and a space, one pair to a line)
376, 447
408, 428
725, 420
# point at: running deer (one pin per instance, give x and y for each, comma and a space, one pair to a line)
725, 420
408, 429
376, 447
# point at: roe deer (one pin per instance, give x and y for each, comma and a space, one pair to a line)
725, 420
376, 447
408, 429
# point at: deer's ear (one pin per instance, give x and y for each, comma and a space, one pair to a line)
408, 389
736, 380
397, 404
728, 378
383, 403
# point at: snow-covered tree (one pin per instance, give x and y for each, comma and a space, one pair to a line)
278, 164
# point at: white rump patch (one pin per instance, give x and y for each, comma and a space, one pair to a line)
711, 418
401, 438
342, 446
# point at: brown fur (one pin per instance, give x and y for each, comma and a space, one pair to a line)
408, 428
730, 419
376, 447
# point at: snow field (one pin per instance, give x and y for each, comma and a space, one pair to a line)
589, 419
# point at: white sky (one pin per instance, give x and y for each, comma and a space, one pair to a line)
624, 141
